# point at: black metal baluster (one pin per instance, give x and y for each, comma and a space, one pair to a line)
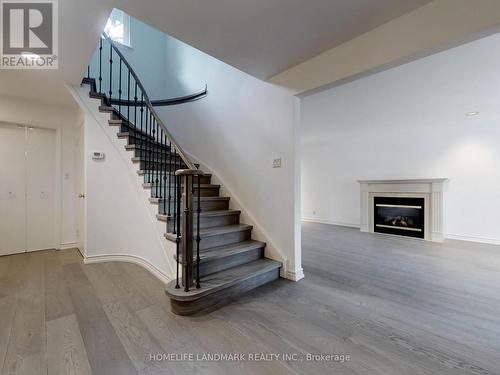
88, 71
147, 151
149, 145
198, 236
169, 177
187, 272
110, 72
175, 169
152, 155
175, 192
128, 100
135, 109
178, 238
100, 65
141, 152
142, 114
165, 142
120, 90
159, 156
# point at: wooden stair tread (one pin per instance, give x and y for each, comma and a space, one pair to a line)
216, 231
158, 160
96, 95
205, 214
142, 147
229, 250
149, 185
151, 142
141, 172
222, 280
206, 199
106, 108
137, 132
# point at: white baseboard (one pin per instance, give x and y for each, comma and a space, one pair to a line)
160, 275
450, 236
68, 245
339, 223
491, 241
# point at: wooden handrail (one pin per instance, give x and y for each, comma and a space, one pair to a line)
148, 103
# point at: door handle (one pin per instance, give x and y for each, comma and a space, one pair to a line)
81, 195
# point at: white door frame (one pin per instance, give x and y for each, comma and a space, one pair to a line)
80, 188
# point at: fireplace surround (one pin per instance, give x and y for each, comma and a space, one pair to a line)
412, 208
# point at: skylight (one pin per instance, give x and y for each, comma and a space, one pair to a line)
118, 27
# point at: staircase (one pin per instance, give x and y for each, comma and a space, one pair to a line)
217, 260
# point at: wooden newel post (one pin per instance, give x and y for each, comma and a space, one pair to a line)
187, 226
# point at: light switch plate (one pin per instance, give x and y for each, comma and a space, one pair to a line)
98, 155
277, 163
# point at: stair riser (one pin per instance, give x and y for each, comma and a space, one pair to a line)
215, 300
133, 140
224, 239
221, 264
149, 146
213, 205
210, 222
218, 221
205, 206
204, 192
115, 116
150, 176
156, 154
143, 164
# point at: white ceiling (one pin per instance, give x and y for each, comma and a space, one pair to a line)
265, 37
80, 23
260, 37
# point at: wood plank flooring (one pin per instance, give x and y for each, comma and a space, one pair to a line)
395, 306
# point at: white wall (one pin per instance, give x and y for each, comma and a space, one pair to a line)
236, 131
65, 121
148, 48
409, 122
120, 223
160, 61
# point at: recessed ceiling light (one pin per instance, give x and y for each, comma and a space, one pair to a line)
473, 113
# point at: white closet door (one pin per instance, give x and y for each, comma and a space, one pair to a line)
12, 189
40, 182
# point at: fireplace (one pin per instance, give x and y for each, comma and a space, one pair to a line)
403, 216
428, 222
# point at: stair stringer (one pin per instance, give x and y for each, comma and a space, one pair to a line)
141, 236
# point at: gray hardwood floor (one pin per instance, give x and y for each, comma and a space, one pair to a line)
395, 306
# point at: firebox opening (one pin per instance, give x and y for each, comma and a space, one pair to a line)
399, 215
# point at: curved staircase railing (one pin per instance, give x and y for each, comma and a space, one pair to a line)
174, 179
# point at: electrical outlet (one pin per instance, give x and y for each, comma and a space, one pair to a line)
277, 163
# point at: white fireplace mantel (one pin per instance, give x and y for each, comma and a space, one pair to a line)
431, 189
